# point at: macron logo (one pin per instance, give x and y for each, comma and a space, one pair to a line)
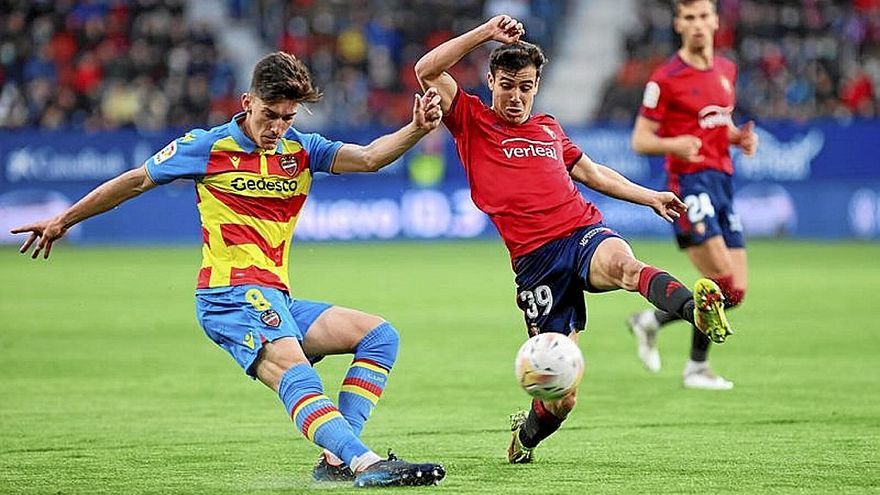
527, 148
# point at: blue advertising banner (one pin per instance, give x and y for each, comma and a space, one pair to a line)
817, 180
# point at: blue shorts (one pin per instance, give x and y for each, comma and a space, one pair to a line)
551, 280
240, 319
709, 197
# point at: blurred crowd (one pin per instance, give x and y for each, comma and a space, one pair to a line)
107, 64
362, 52
96, 64
798, 59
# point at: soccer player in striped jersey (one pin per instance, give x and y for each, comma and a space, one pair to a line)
252, 176
686, 115
521, 168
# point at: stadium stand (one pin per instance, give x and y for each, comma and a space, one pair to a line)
363, 52
798, 59
103, 64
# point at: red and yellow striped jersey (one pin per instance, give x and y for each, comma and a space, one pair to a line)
249, 199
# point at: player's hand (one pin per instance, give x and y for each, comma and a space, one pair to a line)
427, 113
667, 205
505, 29
47, 231
687, 147
746, 138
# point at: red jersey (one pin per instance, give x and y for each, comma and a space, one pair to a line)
685, 100
519, 174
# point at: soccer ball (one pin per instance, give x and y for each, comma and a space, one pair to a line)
549, 366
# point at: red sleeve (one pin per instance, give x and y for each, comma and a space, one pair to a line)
459, 114
655, 99
571, 152
733, 75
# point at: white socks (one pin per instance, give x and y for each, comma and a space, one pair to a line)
363, 461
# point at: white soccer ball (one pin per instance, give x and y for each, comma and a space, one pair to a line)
549, 366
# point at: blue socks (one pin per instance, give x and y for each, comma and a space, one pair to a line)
366, 378
315, 415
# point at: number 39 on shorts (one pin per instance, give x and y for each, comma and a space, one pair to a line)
699, 206
538, 301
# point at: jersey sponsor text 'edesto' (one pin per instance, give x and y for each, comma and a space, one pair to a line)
249, 199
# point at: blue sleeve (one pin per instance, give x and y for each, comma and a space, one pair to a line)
184, 158
321, 150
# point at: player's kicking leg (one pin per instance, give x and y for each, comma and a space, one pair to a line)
613, 266
283, 367
529, 428
374, 343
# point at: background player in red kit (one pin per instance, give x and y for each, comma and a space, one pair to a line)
686, 115
520, 168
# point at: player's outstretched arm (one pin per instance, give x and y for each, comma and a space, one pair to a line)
384, 150
646, 141
102, 198
610, 183
431, 69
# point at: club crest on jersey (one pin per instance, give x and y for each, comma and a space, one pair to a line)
271, 318
292, 164
549, 131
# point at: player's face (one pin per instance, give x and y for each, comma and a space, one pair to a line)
696, 23
265, 123
513, 93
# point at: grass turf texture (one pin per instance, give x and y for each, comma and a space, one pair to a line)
109, 385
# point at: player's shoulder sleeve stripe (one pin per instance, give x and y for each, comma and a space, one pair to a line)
184, 157
225, 143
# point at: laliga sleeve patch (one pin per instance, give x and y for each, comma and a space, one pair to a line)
652, 95
165, 153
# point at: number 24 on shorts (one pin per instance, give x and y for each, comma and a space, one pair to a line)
699, 206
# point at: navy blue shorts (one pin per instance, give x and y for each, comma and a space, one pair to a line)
551, 280
709, 197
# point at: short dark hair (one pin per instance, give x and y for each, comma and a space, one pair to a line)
676, 4
517, 56
281, 76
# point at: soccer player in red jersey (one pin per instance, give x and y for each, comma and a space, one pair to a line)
686, 115
521, 168
252, 177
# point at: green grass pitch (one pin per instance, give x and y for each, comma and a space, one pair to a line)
108, 385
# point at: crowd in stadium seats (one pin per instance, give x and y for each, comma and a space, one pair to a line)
362, 52
798, 59
105, 64
108, 64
